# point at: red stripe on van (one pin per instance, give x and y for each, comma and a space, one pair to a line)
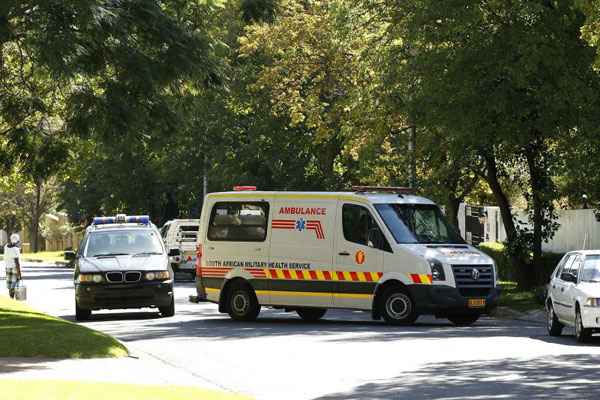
327, 275
273, 273
340, 275
354, 275
415, 278
313, 275
287, 274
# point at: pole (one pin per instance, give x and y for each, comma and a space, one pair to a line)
412, 172
204, 180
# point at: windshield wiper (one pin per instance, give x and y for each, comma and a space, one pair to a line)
110, 255
147, 253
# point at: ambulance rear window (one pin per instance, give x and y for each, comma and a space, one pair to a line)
239, 222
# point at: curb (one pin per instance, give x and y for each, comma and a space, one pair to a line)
534, 316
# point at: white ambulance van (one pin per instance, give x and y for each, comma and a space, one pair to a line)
383, 250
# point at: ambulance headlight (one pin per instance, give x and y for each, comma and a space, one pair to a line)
437, 270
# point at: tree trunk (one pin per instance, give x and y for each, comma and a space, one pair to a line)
537, 179
35, 218
452, 207
516, 255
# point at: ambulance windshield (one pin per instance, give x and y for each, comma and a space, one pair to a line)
418, 223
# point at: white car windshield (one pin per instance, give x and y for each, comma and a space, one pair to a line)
123, 242
591, 269
418, 223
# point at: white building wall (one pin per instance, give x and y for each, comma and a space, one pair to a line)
579, 229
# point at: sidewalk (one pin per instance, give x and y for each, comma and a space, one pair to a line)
137, 369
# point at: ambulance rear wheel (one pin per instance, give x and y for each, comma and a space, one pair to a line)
397, 307
311, 314
242, 303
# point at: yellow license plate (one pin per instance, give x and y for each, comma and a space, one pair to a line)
476, 303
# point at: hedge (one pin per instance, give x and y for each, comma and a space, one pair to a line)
507, 271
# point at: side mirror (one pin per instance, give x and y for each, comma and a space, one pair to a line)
568, 277
174, 252
70, 255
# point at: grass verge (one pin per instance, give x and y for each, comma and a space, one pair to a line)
25, 332
522, 301
44, 256
60, 390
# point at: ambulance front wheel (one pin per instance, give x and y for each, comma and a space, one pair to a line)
397, 307
242, 304
311, 314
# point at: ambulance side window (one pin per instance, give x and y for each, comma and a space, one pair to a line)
239, 222
360, 227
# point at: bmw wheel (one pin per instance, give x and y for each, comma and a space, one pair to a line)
82, 314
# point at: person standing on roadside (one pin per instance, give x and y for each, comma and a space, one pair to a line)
12, 255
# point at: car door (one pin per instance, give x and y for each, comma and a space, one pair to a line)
358, 257
558, 287
570, 292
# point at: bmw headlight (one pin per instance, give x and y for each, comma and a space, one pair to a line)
437, 270
89, 278
157, 275
592, 302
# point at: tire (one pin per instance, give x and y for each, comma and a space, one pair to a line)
311, 314
82, 314
242, 304
581, 334
552, 323
168, 311
397, 307
464, 320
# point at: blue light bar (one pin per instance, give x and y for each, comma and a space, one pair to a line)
122, 219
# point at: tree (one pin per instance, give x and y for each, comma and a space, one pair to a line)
506, 79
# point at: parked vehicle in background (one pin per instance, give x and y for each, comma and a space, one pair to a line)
180, 237
574, 295
385, 250
122, 263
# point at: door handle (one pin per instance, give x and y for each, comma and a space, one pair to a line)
211, 248
553, 286
344, 253
258, 249
562, 289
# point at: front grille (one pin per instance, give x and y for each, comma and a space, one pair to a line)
467, 285
133, 276
114, 277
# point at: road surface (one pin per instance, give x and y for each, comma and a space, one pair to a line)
345, 356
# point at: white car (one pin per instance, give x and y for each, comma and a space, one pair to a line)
574, 295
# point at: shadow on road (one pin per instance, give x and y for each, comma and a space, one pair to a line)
564, 377
342, 327
8, 366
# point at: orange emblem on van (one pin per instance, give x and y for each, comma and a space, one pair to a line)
360, 257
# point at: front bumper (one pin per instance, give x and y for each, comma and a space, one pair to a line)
125, 295
443, 301
590, 317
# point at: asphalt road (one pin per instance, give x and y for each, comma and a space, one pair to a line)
346, 356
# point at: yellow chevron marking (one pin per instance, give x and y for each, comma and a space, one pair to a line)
347, 276
320, 275
280, 274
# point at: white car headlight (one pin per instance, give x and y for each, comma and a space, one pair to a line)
592, 302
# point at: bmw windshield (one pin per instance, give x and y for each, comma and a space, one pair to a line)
418, 223
123, 242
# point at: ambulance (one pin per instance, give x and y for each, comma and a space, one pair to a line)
383, 250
